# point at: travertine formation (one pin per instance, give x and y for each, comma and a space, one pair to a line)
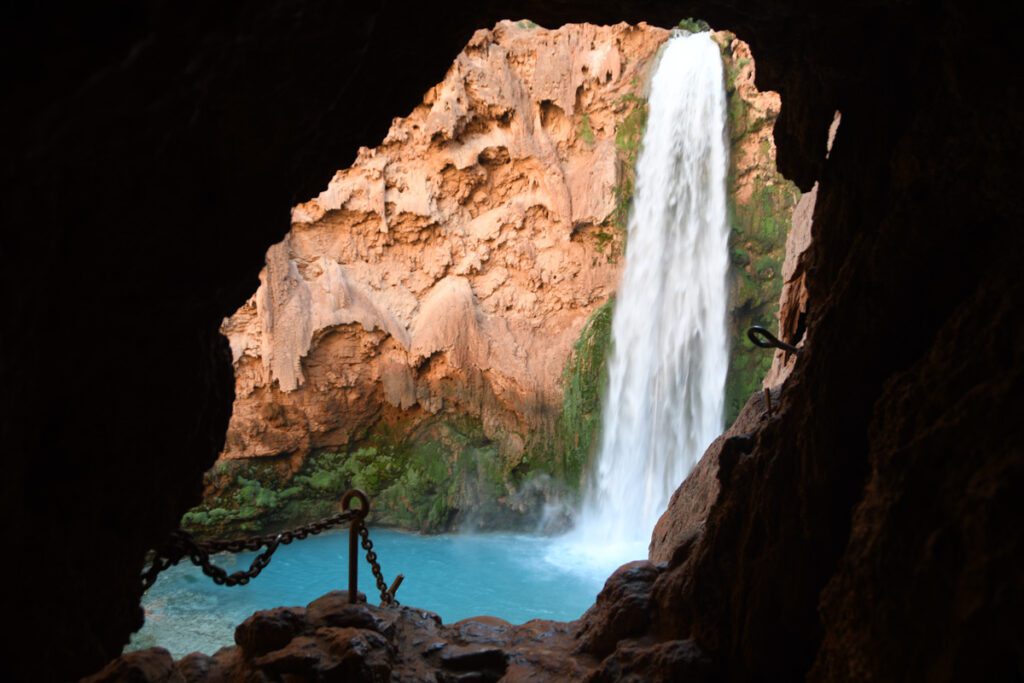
449, 270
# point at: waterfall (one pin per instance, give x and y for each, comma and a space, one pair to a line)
666, 372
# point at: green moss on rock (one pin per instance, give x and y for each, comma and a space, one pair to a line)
628, 136
694, 25
757, 244
429, 477
583, 385
586, 132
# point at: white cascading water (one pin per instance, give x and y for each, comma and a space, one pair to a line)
669, 357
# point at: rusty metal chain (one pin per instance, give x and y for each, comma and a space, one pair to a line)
285, 537
182, 544
201, 558
387, 598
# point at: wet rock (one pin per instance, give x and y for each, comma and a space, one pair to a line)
467, 677
270, 630
302, 655
332, 654
669, 662
622, 608
153, 665
481, 629
474, 658
484, 619
334, 609
361, 654
402, 643
197, 667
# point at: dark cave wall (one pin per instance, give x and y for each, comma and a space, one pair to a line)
153, 152
896, 423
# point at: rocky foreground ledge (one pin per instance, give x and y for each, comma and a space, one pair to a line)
332, 640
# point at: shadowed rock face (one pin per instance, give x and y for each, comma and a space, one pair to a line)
153, 153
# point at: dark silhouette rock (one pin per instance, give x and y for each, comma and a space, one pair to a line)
331, 654
683, 522
622, 609
668, 662
154, 665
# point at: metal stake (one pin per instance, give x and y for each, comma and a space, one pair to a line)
358, 516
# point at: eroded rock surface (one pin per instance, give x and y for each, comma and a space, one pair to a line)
451, 268
431, 295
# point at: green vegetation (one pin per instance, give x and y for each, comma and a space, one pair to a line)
247, 492
694, 25
757, 243
586, 133
423, 480
628, 136
526, 23
583, 383
757, 248
558, 453
602, 239
416, 481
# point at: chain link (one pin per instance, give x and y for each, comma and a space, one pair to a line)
386, 598
181, 544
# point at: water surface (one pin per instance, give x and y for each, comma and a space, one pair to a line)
515, 577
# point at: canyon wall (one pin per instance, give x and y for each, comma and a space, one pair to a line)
434, 325
410, 332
